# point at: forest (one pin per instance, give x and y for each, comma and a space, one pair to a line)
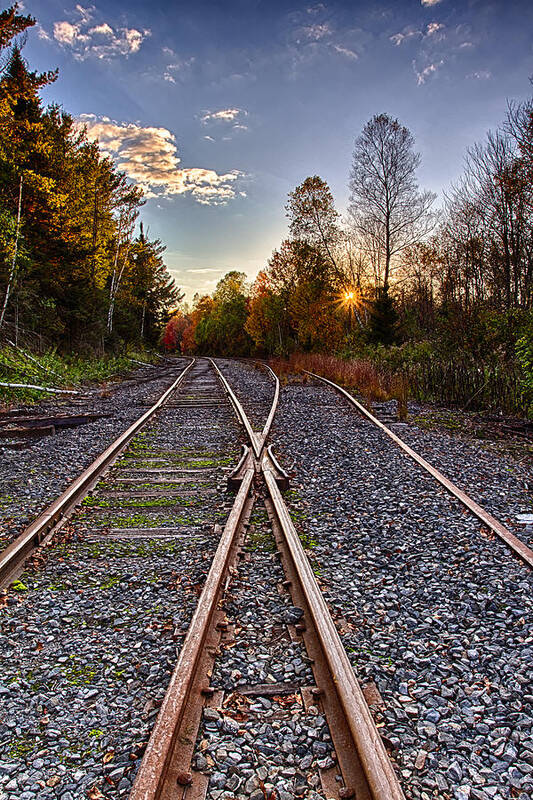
409, 297
400, 298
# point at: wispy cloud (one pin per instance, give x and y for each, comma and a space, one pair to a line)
149, 157
204, 271
177, 68
434, 28
480, 75
224, 118
430, 2
223, 115
345, 51
423, 74
404, 36
88, 40
314, 33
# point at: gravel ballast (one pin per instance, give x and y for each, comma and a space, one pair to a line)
432, 611
253, 386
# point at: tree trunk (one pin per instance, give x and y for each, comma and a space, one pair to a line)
14, 260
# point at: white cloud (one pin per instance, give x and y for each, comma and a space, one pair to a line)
314, 33
430, 2
425, 73
177, 68
104, 29
202, 271
85, 14
433, 28
149, 157
405, 35
41, 33
223, 115
65, 33
226, 117
209, 138
100, 41
345, 51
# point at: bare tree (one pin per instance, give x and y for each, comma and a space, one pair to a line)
389, 211
490, 211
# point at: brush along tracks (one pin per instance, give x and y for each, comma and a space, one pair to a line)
210, 738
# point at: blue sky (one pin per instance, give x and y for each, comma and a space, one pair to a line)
220, 109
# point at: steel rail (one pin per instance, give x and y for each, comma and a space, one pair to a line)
158, 774
255, 439
270, 418
15, 553
521, 549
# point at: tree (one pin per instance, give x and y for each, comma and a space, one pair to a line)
386, 205
313, 218
172, 338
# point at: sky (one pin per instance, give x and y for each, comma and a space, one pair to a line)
218, 110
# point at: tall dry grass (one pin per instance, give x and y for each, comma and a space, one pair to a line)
373, 383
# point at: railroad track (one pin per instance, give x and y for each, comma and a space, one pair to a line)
13, 557
502, 532
360, 767
209, 709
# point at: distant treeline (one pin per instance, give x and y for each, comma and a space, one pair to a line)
443, 300
75, 271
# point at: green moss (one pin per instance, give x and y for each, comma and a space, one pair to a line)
78, 674
21, 747
141, 502
308, 543
143, 521
18, 586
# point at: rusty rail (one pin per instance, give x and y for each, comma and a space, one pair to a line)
160, 768
13, 557
521, 549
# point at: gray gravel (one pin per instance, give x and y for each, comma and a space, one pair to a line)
31, 478
500, 483
436, 614
253, 386
90, 638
